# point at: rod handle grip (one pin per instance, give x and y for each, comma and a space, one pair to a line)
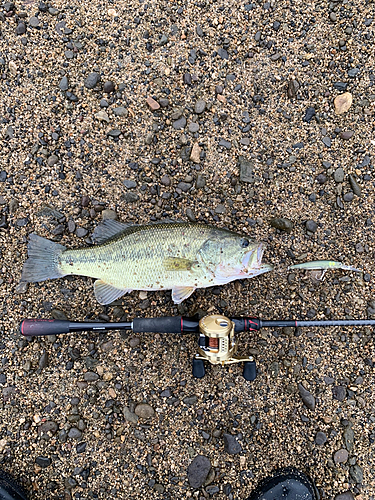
41, 327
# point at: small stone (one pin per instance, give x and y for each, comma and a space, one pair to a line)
152, 103
144, 410
309, 115
43, 462
71, 226
353, 72
69, 54
343, 102
92, 80
198, 471
120, 111
165, 180
311, 226
282, 224
231, 445
64, 83
195, 153
81, 232
321, 178
293, 87
43, 360
307, 398
129, 416
130, 197
129, 184
220, 209
102, 116
81, 447
190, 400
341, 456
46, 428
193, 127
91, 376
57, 314
187, 79
348, 437
134, 341
108, 87
356, 473
346, 135
347, 495
354, 185
74, 433
332, 17
21, 29
190, 215
320, 438
246, 170
201, 181
339, 392
34, 22
348, 197
223, 53
180, 123
327, 141
225, 144
339, 175
21, 287
199, 106
109, 215
114, 132
103, 103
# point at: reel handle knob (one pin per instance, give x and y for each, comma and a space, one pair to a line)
250, 370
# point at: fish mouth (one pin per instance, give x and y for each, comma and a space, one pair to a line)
257, 267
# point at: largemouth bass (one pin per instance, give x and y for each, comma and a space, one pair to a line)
164, 256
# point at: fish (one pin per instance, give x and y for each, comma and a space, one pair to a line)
324, 264
177, 256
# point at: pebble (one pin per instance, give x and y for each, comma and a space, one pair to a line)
343, 103
90, 376
152, 104
64, 83
231, 445
92, 80
198, 471
49, 427
339, 175
34, 22
354, 185
341, 456
57, 314
134, 341
195, 153
356, 473
293, 87
282, 224
120, 111
320, 438
74, 433
81, 232
220, 209
353, 72
114, 132
309, 115
348, 437
346, 135
21, 28
165, 180
201, 181
190, 215
347, 495
43, 462
193, 127
339, 392
246, 170
179, 124
225, 144
348, 197
109, 214
129, 416
108, 87
43, 360
327, 141
144, 410
130, 184
199, 106
102, 116
311, 226
307, 398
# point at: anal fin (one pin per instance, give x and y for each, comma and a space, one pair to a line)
106, 294
180, 293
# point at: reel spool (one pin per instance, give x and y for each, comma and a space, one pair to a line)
217, 345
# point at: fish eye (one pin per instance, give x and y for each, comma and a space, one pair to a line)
244, 242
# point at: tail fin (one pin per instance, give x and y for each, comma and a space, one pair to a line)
43, 261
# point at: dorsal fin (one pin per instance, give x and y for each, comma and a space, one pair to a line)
107, 229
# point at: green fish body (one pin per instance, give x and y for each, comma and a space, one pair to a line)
162, 256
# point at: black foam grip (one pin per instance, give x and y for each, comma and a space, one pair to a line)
158, 325
37, 327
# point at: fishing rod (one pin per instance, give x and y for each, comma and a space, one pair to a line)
217, 342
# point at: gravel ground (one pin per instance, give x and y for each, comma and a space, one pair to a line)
220, 112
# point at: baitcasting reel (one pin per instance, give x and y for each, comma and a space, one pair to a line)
217, 344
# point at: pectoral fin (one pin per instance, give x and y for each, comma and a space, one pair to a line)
178, 264
105, 294
180, 293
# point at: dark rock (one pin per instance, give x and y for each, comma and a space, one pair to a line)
307, 398
190, 400
130, 197
339, 392
92, 80
180, 123
354, 185
225, 144
327, 141
223, 53
108, 87
246, 170
348, 436
231, 445
282, 224
115, 132
311, 226
21, 29
48, 427
356, 473
91, 376
346, 135
201, 181
43, 462
320, 438
293, 87
309, 115
81, 447
43, 360
341, 456
198, 471
199, 106
347, 495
